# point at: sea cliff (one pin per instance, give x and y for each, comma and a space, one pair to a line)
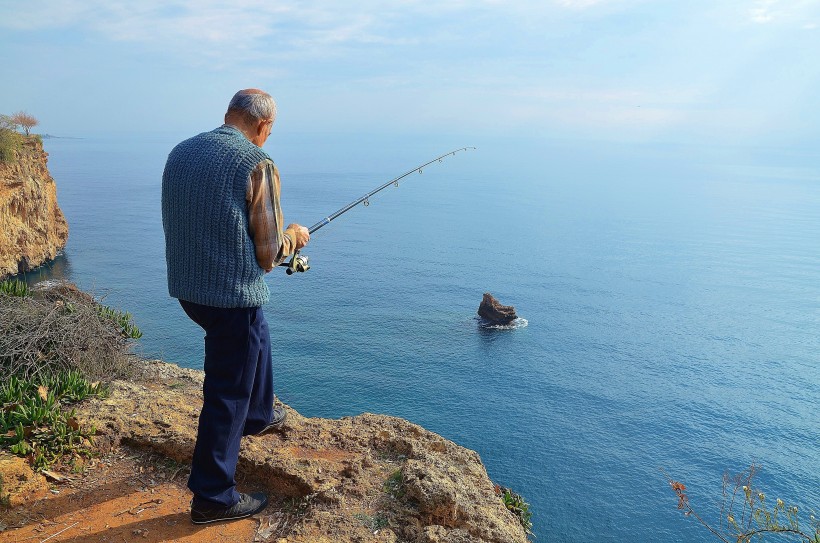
32, 226
363, 478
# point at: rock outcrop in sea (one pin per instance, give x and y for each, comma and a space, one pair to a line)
32, 226
347, 475
493, 312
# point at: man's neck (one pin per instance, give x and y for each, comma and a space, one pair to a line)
239, 128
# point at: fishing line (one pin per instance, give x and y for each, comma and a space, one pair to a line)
299, 262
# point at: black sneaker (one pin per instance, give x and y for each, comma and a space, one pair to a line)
277, 421
248, 504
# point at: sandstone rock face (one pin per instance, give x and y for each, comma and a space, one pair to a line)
492, 311
363, 478
32, 226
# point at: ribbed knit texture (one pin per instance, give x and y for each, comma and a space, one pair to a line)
208, 250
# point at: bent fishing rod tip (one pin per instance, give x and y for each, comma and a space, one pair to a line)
299, 263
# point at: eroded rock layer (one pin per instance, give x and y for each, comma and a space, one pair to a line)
32, 226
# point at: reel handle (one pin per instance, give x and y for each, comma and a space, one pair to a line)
298, 263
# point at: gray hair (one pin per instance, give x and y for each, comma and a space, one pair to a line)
253, 104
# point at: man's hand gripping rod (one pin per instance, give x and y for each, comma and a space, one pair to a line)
299, 262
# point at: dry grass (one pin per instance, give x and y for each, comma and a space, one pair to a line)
61, 329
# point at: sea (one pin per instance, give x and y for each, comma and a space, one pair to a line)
669, 297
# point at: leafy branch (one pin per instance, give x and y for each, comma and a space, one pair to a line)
745, 514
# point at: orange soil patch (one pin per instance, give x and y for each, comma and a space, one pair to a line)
332, 455
127, 496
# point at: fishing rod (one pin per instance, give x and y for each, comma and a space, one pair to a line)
299, 262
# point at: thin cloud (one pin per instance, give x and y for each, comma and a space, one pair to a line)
40, 14
794, 12
763, 11
208, 27
581, 4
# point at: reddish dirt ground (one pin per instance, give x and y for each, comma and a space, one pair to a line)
126, 496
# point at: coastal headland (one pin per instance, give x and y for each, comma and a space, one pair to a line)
363, 478
33, 229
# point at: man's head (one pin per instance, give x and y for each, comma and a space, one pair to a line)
252, 111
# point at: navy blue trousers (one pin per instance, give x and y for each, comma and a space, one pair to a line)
238, 396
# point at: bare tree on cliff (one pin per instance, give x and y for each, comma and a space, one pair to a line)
25, 120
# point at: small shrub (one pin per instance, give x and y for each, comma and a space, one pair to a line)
394, 485
6, 123
10, 143
746, 515
299, 507
372, 523
517, 506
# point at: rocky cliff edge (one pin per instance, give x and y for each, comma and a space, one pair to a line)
363, 478
32, 226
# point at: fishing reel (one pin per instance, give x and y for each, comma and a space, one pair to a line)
298, 263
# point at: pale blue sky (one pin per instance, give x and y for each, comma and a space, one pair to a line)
723, 71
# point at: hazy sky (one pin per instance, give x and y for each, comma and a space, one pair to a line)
669, 70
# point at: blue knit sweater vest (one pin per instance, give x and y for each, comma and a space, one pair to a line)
209, 251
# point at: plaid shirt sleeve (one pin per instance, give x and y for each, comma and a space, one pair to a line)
265, 219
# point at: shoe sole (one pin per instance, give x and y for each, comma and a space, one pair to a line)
270, 428
237, 516
224, 519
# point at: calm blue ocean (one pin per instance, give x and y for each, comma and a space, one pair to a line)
672, 295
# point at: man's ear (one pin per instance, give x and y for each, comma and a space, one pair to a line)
260, 127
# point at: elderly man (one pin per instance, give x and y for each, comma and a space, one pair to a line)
223, 232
